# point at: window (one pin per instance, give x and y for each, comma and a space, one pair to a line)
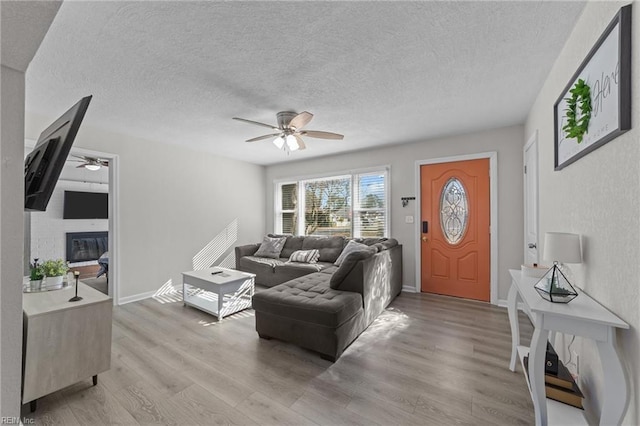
454, 211
370, 210
350, 205
289, 214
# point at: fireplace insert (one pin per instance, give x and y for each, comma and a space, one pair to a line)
86, 246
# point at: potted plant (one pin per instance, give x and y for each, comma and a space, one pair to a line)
54, 270
36, 275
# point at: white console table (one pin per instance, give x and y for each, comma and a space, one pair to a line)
584, 317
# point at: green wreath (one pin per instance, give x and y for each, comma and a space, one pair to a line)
576, 128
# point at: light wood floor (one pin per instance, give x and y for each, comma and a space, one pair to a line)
428, 360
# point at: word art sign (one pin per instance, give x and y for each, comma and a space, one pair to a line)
607, 72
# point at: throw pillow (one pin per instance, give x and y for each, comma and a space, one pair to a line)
271, 247
292, 244
305, 256
339, 279
351, 246
329, 247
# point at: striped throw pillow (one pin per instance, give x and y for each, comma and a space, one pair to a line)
305, 256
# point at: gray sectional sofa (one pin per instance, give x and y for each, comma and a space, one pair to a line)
270, 271
321, 306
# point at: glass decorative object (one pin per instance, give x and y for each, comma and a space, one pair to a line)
454, 211
555, 287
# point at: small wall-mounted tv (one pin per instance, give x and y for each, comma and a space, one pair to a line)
86, 205
43, 165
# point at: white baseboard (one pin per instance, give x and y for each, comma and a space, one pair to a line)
136, 297
409, 289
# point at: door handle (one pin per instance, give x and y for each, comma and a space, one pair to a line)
425, 239
532, 245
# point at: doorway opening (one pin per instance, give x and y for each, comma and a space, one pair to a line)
46, 233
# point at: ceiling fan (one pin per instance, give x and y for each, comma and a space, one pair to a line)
90, 163
289, 131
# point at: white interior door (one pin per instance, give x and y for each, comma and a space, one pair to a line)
531, 243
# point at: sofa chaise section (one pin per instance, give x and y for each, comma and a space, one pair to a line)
306, 311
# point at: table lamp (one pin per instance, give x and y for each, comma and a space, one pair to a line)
559, 248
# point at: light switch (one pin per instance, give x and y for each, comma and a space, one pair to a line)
408, 219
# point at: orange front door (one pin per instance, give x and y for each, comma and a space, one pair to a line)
455, 239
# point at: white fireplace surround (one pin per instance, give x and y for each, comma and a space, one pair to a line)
49, 229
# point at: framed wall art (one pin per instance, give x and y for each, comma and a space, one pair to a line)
595, 106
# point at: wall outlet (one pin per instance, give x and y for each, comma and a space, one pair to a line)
408, 219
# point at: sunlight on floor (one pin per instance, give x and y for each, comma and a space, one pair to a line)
390, 322
216, 247
167, 293
248, 313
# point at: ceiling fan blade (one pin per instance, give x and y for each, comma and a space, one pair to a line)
256, 123
301, 144
82, 157
103, 162
259, 138
81, 166
321, 135
301, 120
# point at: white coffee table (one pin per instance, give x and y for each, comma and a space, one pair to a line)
218, 291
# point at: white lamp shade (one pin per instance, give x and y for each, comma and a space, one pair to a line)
562, 247
292, 143
279, 142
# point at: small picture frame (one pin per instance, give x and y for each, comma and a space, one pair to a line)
607, 72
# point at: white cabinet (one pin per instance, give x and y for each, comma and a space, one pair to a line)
64, 342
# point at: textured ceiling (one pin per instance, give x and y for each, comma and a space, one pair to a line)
24, 25
378, 72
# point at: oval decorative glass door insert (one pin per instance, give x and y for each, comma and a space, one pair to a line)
454, 211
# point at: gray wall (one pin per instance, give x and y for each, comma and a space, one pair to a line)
597, 197
172, 203
507, 142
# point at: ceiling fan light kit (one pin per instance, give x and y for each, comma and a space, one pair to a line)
292, 143
289, 127
279, 142
90, 163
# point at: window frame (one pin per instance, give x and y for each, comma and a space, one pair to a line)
278, 211
355, 197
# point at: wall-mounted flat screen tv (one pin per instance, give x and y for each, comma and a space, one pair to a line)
86, 205
42, 167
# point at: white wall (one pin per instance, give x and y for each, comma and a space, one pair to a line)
507, 142
172, 203
11, 235
49, 229
24, 24
597, 197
